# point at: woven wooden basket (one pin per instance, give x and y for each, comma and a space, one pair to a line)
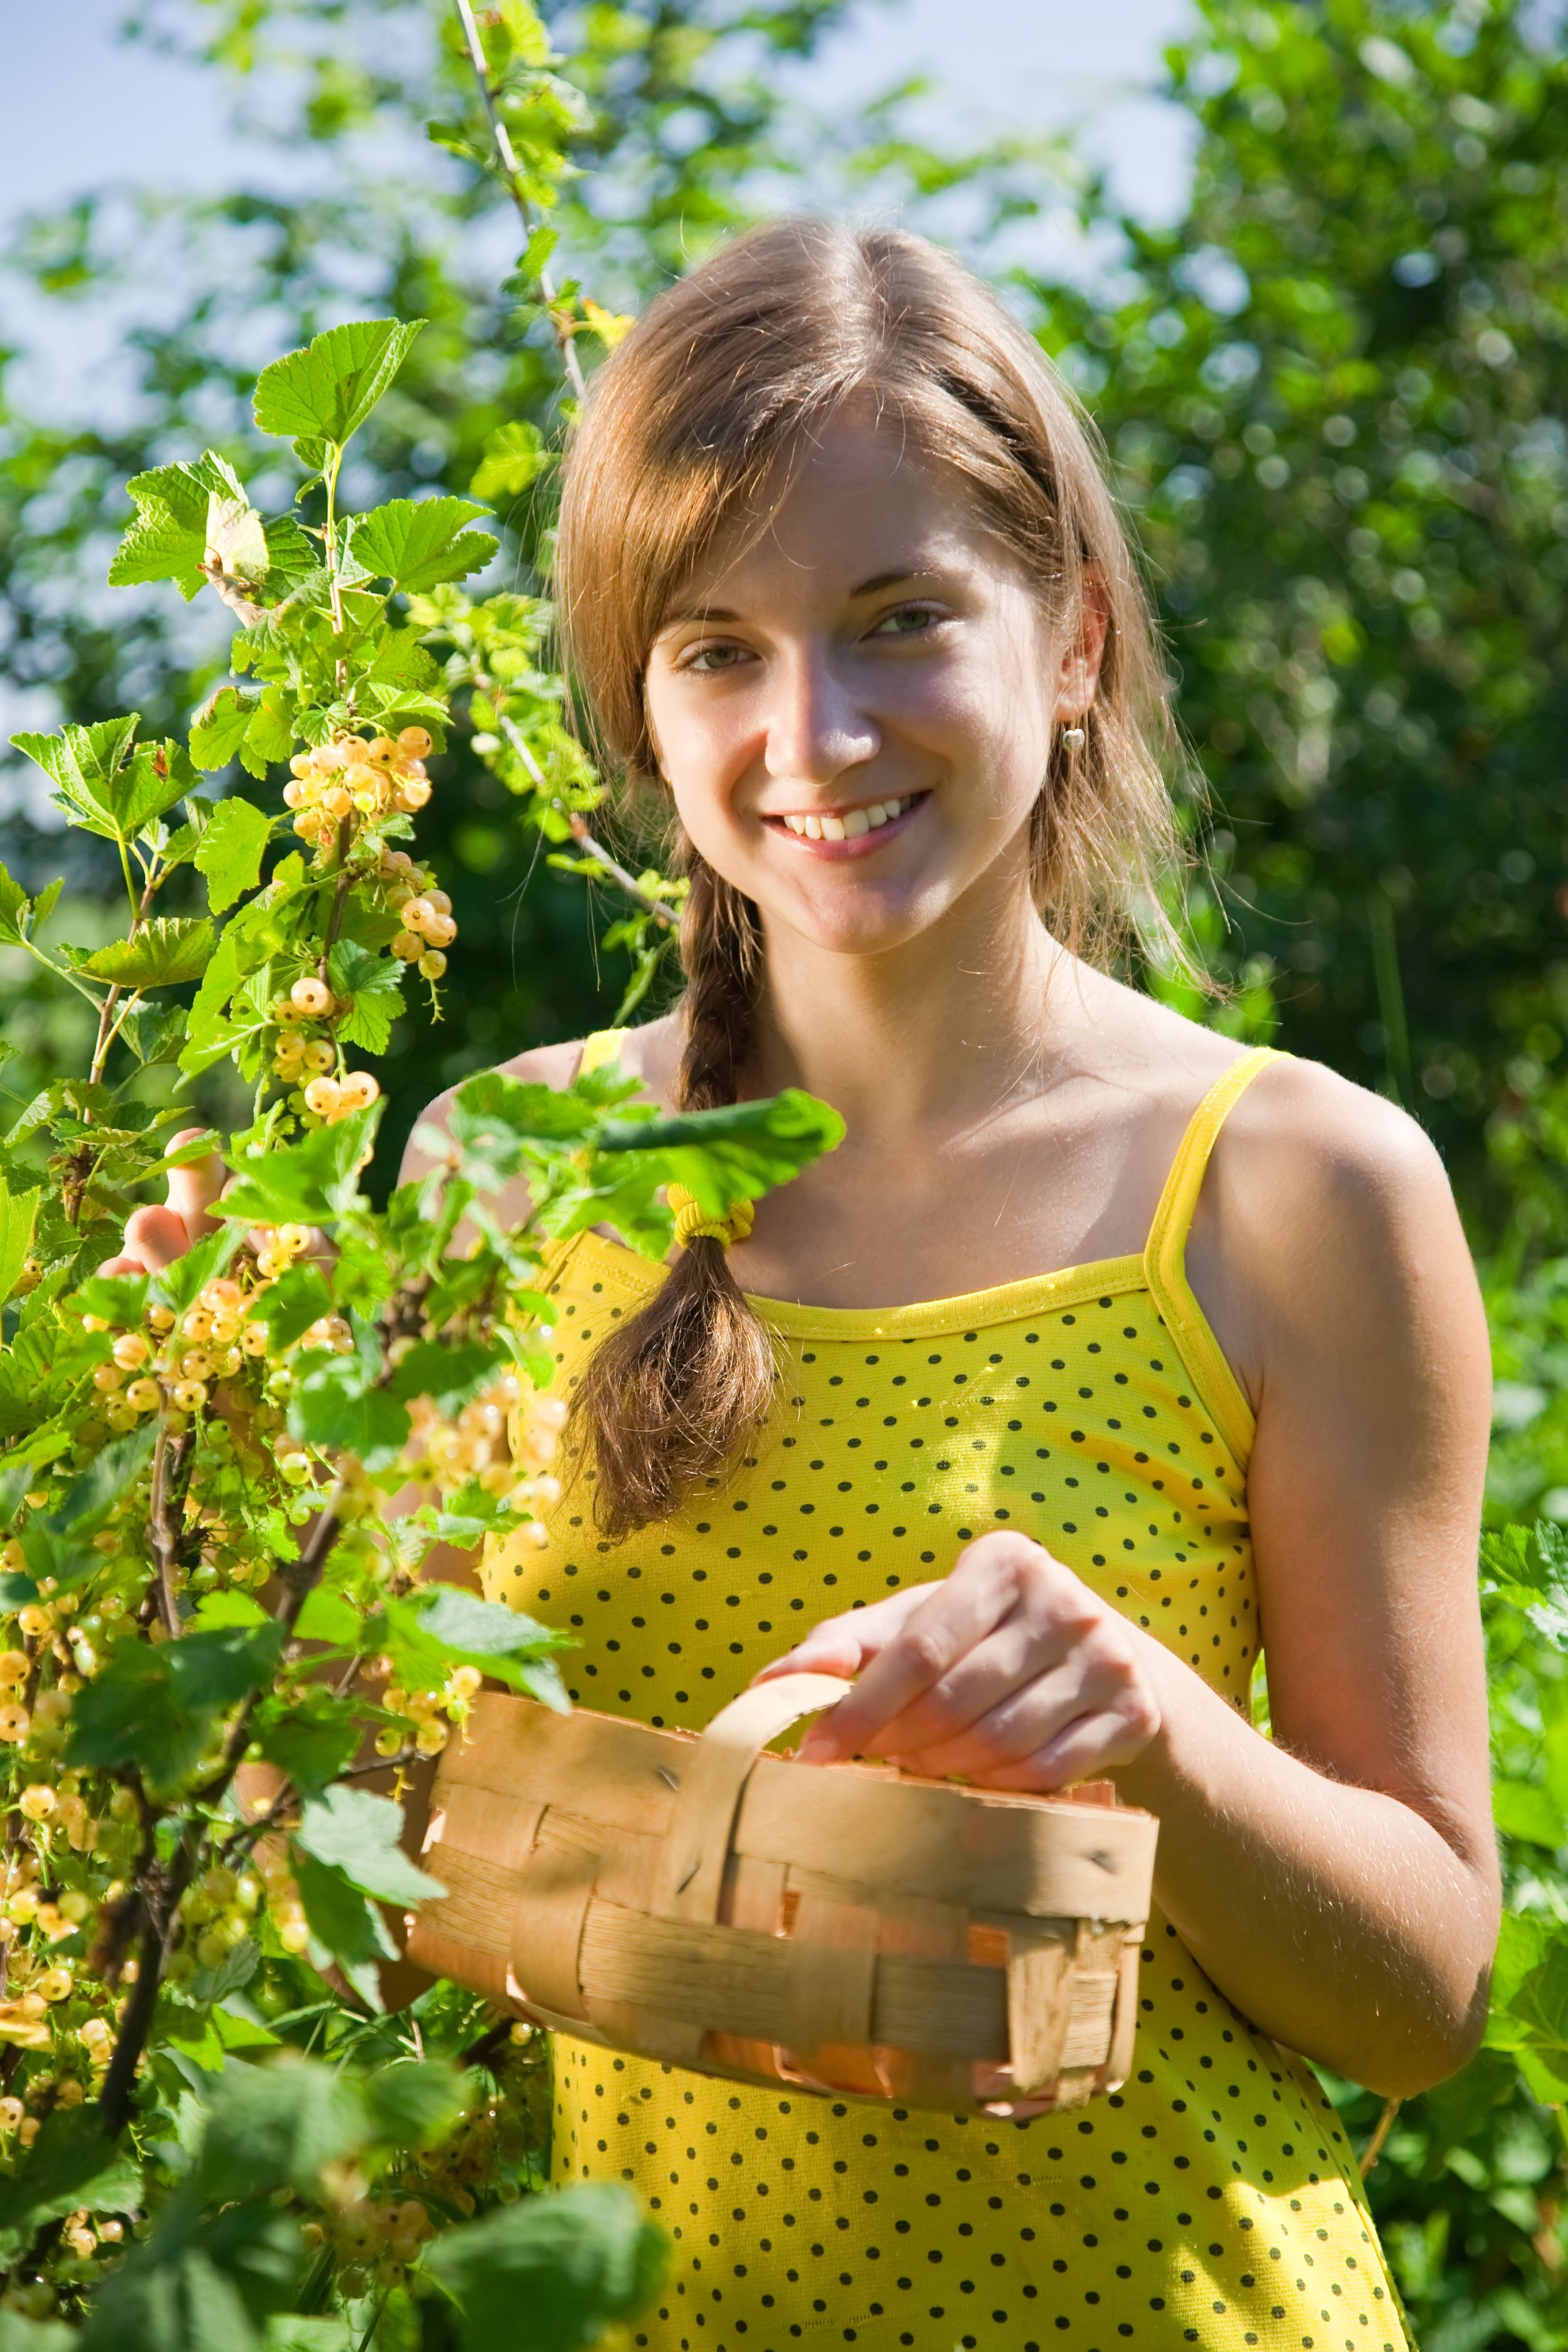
847, 1928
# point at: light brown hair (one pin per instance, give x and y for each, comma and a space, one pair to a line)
691, 428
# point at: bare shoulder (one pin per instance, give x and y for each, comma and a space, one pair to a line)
1304, 1140
646, 1053
1327, 1235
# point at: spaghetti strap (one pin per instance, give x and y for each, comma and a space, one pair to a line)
602, 1047
1165, 1255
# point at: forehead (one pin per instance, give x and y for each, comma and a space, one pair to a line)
855, 501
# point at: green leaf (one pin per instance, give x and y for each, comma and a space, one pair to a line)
328, 1617
311, 1183
168, 538
18, 1214
454, 1626
322, 394
372, 985
495, 1118
736, 1153
312, 1741
219, 727
514, 457
87, 766
275, 2126
358, 1833
230, 851
15, 908
73, 2162
288, 2331
454, 1376
19, 2335
341, 1919
1529, 2002
572, 2262
333, 1406
165, 953
295, 1301
413, 2105
418, 543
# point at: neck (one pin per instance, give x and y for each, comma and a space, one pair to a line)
931, 1034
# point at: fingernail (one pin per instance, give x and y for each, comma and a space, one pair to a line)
817, 1747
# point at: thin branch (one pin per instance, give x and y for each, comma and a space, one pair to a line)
512, 174
1374, 2145
617, 872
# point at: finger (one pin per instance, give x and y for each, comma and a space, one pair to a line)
157, 1237
1084, 1750
842, 1645
1028, 1713
122, 1265
194, 1188
951, 1619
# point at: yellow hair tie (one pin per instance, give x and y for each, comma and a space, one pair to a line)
693, 1223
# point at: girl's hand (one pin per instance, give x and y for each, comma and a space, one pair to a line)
1010, 1672
155, 1237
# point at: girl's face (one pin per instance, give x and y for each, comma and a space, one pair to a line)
855, 713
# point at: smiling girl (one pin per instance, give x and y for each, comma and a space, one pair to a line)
1102, 1355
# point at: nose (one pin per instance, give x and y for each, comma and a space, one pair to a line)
816, 726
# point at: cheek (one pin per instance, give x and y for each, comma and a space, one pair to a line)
701, 739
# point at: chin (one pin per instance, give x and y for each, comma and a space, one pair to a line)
859, 922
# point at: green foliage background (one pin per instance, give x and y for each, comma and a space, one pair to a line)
1336, 398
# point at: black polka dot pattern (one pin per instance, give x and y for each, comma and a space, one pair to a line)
1214, 2200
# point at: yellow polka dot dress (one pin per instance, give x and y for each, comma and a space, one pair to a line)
1214, 2200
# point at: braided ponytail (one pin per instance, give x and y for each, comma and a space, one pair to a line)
671, 1395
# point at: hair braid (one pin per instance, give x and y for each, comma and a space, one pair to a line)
671, 1396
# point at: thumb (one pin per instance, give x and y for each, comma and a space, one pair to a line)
194, 1188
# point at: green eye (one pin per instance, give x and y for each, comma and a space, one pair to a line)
908, 620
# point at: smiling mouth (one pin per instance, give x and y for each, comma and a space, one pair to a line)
849, 825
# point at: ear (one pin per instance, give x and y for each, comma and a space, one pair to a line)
1083, 655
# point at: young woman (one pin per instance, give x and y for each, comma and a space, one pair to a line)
1101, 1355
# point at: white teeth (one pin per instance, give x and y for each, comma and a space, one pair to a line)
852, 824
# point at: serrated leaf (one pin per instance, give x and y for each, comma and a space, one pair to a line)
218, 728
311, 1183
418, 543
325, 391
237, 538
15, 905
457, 1627
358, 1833
294, 1302
167, 540
230, 851
84, 763
165, 953
18, 1215
514, 457
736, 1153
372, 984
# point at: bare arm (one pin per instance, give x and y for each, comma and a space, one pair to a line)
1339, 1884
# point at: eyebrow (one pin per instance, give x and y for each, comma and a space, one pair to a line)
719, 614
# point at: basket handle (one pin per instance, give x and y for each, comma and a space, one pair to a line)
697, 1843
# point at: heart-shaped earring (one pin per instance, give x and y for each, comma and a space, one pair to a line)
1074, 737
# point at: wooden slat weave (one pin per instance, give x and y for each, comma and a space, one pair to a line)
848, 1929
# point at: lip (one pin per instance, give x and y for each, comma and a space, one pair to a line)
865, 844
